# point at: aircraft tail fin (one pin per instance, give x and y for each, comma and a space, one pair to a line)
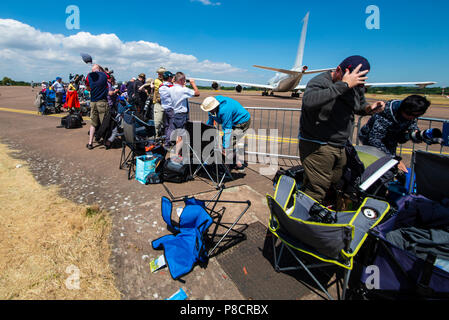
302, 44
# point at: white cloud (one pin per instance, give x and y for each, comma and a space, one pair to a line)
30, 54
207, 2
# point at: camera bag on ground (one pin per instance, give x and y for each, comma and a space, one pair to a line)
175, 171
72, 121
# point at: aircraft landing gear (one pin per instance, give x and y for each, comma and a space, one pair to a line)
295, 95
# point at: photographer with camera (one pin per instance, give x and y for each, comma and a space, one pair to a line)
397, 125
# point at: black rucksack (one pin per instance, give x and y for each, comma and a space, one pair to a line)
176, 172
296, 173
72, 121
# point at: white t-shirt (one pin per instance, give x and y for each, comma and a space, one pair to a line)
180, 96
58, 87
164, 92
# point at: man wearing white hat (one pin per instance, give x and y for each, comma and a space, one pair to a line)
233, 118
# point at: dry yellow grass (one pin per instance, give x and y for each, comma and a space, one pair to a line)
42, 235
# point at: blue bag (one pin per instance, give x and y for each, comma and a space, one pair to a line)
146, 165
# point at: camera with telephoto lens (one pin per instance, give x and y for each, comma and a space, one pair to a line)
429, 136
322, 215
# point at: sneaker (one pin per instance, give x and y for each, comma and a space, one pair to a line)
89, 146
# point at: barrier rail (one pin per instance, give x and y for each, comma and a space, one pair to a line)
286, 121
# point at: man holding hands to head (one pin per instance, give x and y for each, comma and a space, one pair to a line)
330, 103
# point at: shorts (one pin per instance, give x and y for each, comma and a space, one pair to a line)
97, 112
180, 120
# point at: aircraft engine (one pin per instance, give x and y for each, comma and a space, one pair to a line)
239, 88
215, 86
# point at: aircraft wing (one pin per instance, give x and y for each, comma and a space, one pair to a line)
244, 84
319, 71
388, 84
290, 72
295, 73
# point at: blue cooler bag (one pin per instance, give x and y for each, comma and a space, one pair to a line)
146, 165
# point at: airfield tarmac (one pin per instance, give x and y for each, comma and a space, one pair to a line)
59, 157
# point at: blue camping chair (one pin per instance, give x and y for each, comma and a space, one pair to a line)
190, 242
186, 247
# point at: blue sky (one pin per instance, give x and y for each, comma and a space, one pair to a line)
222, 39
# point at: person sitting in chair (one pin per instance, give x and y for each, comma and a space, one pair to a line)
234, 119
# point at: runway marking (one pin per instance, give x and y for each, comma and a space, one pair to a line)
34, 113
405, 151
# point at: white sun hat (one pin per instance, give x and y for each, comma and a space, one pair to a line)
209, 104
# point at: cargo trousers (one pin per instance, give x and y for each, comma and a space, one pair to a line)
323, 166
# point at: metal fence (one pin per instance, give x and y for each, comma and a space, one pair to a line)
286, 122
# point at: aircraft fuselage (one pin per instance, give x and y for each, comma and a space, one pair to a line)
288, 84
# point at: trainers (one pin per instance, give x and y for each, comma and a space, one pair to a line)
89, 146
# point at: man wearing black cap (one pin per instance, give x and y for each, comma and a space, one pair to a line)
330, 103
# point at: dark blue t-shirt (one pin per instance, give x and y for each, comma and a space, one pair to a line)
98, 83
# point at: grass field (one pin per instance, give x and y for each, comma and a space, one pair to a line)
45, 240
434, 99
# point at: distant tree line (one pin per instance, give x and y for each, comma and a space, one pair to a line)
408, 90
372, 90
10, 82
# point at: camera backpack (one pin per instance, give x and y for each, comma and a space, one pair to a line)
72, 121
175, 171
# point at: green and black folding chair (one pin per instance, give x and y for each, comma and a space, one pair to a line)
293, 221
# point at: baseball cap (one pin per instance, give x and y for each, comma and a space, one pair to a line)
168, 74
161, 70
352, 62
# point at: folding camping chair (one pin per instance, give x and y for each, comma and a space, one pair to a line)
135, 137
186, 247
216, 172
329, 244
369, 173
217, 216
407, 262
378, 172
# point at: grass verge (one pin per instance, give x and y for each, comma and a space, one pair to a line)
50, 247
